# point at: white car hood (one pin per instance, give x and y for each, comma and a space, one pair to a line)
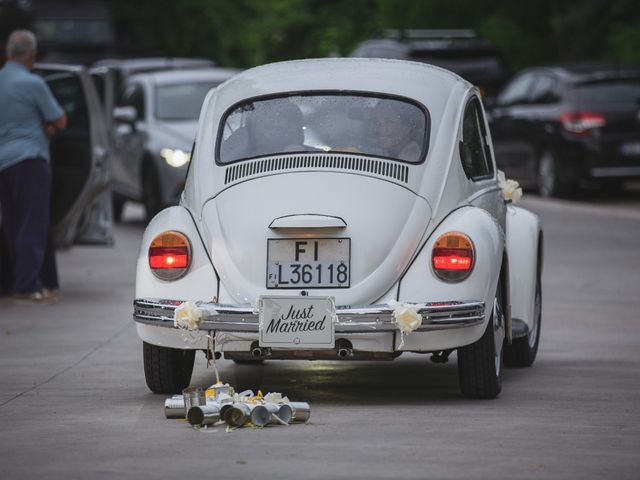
385, 223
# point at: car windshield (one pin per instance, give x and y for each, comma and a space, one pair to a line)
622, 91
346, 123
181, 101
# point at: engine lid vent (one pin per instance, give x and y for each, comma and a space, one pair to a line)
383, 168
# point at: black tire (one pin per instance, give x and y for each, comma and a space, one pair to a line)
522, 351
480, 364
151, 194
554, 180
167, 370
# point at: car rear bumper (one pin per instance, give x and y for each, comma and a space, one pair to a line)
370, 318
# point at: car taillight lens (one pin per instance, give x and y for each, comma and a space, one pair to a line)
453, 257
581, 122
170, 255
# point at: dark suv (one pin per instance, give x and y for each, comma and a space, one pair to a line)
472, 57
562, 127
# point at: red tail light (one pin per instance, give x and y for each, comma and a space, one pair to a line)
169, 255
581, 122
453, 257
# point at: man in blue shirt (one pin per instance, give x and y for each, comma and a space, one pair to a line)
29, 115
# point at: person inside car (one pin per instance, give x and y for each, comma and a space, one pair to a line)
271, 127
393, 131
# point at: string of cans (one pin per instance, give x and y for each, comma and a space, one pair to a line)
220, 404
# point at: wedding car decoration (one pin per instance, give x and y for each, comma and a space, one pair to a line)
220, 405
510, 188
341, 209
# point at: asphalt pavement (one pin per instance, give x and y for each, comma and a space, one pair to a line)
73, 402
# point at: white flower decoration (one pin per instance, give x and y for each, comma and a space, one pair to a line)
187, 316
510, 188
407, 317
275, 397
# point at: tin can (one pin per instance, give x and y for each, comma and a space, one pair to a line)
174, 407
204, 414
301, 412
237, 415
193, 397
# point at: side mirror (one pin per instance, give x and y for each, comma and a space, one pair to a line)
127, 115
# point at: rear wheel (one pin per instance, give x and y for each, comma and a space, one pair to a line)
480, 364
167, 370
553, 180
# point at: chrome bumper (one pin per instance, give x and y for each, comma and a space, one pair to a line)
243, 318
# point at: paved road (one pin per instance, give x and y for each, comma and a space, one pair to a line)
73, 403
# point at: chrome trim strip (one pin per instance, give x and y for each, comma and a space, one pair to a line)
361, 319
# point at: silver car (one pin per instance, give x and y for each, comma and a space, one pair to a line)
154, 125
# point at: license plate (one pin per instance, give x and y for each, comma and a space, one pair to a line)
630, 149
308, 263
297, 322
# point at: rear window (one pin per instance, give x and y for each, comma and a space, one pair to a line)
346, 123
625, 91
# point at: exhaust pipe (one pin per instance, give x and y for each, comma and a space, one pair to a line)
259, 352
345, 349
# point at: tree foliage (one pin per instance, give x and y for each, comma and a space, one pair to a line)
249, 32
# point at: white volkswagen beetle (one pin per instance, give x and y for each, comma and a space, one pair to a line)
341, 209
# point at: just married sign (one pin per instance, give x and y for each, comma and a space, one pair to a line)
297, 322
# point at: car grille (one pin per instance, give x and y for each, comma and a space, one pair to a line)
350, 163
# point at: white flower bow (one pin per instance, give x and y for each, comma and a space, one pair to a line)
510, 188
187, 316
407, 318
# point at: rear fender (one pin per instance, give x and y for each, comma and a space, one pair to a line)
524, 237
199, 283
420, 284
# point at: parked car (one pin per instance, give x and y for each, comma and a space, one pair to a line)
332, 205
80, 203
155, 123
462, 51
556, 128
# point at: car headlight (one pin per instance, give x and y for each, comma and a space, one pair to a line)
175, 158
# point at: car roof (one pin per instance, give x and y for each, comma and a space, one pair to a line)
130, 66
422, 82
580, 72
167, 77
406, 42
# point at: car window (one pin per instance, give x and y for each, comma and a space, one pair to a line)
516, 91
67, 89
182, 101
133, 95
474, 152
544, 90
345, 123
619, 91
